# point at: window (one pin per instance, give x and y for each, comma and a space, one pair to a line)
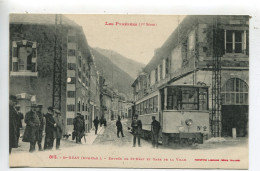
86, 107
83, 109
79, 105
235, 41
187, 98
72, 52
155, 104
79, 73
71, 66
160, 67
72, 39
24, 56
156, 75
71, 108
141, 108
71, 94
69, 121
234, 92
79, 61
167, 66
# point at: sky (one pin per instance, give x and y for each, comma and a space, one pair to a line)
136, 41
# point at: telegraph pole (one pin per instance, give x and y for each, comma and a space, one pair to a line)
57, 67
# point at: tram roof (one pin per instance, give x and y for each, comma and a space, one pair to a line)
183, 85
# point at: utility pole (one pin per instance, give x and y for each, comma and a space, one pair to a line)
216, 82
57, 67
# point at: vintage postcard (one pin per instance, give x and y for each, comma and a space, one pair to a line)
129, 91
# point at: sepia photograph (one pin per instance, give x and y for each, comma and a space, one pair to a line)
129, 91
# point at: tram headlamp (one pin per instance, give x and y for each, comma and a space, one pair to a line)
188, 122
181, 129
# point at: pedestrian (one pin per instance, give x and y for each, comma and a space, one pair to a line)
13, 140
19, 121
31, 132
42, 126
155, 129
57, 134
119, 127
137, 130
105, 122
79, 127
96, 122
49, 129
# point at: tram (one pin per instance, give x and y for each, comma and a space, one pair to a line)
182, 111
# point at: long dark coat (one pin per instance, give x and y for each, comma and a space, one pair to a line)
155, 127
137, 127
49, 129
59, 128
31, 132
13, 139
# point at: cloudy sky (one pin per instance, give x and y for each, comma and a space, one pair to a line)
136, 41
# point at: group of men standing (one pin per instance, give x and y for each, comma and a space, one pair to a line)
38, 125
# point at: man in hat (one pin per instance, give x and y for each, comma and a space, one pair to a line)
13, 140
31, 133
119, 127
79, 127
42, 126
19, 120
57, 134
155, 129
49, 129
96, 122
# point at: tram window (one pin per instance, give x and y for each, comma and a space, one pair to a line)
145, 110
203, 99
151, 105
155, 104
172, 94
141, 108
189, 98
137, 109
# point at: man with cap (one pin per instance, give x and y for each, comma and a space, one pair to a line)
49, 129
19, 120
79, 127
57, 134
31, 133
155, 129
13, 140
42, 126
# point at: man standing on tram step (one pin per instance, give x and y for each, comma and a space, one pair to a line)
50, 126
31, 132
79, 127
57, 134
119, 127
96, 122
42, 126
19, 121
155, 129
137, 130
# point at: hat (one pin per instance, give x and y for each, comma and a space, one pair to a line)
17, 106
34, 105
12, 97
57, 111
50, 108
78, 113
39, 105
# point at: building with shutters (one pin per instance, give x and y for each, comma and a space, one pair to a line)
186, 58
32, 43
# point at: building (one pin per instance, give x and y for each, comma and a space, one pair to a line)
34, 42
107, 103
187, 58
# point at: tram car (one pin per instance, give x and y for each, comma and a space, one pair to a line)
182, 111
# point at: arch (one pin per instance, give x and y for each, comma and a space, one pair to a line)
234, 92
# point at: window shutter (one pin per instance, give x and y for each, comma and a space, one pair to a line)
14, 57
247, 42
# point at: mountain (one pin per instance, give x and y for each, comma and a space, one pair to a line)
129, 66
114, 76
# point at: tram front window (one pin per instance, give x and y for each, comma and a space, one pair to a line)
186, 98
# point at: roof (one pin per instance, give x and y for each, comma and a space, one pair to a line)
42, 19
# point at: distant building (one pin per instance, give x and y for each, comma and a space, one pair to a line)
32, 44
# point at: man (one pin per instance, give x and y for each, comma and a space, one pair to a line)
19, 121
42, 126
79, 127
96, 122
155, 129
13, 140
119, 127
49, 129
59, 128
31, 133
137, 129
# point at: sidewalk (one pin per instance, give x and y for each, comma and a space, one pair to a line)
90, 136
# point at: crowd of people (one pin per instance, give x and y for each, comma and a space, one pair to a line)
38, 125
